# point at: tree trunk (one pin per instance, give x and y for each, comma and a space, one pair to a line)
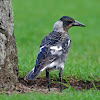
9, 69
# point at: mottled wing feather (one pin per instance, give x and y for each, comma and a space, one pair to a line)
51, 39
45, 57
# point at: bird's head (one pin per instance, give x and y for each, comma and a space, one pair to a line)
65, 23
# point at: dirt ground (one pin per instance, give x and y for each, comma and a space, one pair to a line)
40, 85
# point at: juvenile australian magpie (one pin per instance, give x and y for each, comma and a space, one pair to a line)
54, 50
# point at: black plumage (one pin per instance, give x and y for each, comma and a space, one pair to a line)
54, 50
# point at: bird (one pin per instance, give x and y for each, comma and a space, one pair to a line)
54, 50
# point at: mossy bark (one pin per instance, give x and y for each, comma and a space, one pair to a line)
9, 69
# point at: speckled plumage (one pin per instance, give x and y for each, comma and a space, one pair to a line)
45, 57
54, 49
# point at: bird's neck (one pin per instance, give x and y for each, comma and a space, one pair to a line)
58, 27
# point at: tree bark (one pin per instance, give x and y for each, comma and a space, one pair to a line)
9, 69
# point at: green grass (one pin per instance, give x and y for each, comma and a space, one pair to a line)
70, 95
35, 19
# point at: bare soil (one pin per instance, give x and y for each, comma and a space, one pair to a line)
40, 84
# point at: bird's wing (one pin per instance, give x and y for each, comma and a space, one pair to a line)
44, 58
46, 55
52, 48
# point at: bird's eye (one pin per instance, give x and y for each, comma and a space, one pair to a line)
69, 21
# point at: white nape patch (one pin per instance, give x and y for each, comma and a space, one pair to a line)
41, 49
58, 26
56, 50
68, 42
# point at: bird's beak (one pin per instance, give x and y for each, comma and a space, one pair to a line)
76, 23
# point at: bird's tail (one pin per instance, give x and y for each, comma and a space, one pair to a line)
32, 75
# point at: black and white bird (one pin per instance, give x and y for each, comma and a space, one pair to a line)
54, 50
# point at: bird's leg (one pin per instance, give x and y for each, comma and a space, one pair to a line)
60, 76
48, 79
